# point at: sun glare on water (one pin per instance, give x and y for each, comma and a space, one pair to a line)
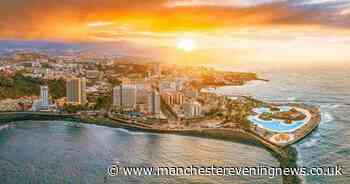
186, 44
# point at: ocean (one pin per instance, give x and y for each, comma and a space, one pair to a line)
52, 152
325, 85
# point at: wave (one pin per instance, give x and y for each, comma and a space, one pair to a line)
310, 143
4, 127
331, 106
326, 117
133, 132
73, 124
124, 130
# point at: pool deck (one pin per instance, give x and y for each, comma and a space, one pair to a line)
308, 127
297, 134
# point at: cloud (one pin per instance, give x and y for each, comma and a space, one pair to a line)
237, 3
82, 19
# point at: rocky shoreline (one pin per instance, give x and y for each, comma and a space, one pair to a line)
285, 155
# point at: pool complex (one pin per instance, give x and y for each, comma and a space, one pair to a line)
277, 125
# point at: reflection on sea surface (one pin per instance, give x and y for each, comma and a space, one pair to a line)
56, 152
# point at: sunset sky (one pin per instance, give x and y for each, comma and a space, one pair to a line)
247, 30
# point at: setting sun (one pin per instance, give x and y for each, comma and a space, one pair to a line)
186, 44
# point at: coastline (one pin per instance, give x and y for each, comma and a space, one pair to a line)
285, 155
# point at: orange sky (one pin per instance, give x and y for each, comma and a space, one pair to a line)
249, 29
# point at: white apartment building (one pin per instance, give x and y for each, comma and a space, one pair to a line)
192, 109
44, 96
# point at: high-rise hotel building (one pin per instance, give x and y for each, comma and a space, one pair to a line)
44, 96
124, 97
154, 103
76, 91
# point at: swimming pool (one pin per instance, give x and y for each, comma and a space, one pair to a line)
277, 125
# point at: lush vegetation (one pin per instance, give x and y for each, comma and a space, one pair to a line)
230, 78
57, 88
19, 85
45, 65
70, 108
139, 69
239, 110
103, 102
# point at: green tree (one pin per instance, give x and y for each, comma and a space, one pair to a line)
57, 88
103, 102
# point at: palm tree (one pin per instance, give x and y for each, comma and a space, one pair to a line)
238, 112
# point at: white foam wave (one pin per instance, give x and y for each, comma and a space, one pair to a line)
4, 127
330, 106
132, 132
334, 106
326, 117
310, 143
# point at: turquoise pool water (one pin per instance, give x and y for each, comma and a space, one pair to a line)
278, 125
